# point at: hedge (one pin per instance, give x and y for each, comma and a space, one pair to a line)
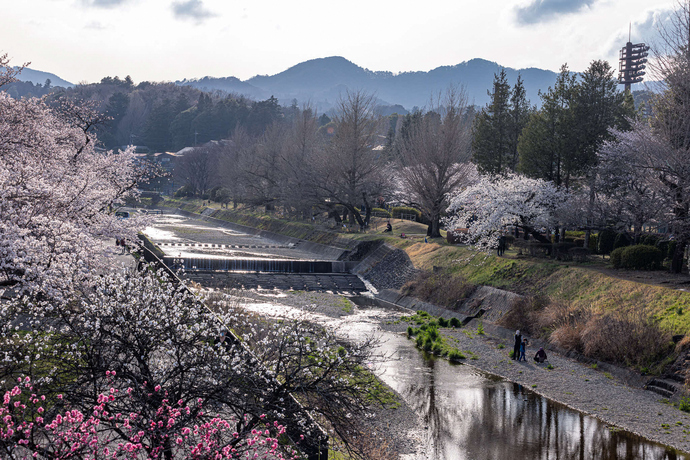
638, 257
605, 241
400, 210
381, 212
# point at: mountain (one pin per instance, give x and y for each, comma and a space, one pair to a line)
37, 76
227, 84
322, 81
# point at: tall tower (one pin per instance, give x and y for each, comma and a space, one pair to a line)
633, 58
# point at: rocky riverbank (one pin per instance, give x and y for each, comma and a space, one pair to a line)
590, 390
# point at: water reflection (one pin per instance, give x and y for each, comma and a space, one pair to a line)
471, 415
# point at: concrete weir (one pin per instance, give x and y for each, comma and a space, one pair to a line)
256, 265
222, 254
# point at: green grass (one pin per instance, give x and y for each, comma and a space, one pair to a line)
568, 283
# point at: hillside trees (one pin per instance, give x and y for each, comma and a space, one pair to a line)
433, 157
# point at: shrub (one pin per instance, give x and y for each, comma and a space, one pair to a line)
455, 355
684, 404
616, 256
641, 257
605, 240
671, 249
454, 322
649, 240
523, 313
625, 336
380, 212
579, 242
399, 211
622, 239
184, 191
593, 239
410, 332
442, 322
663, 246
436, 348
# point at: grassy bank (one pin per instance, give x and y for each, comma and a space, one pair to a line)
584, 286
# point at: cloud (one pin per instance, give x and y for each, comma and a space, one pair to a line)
643, 30
546, 10
94, 25
104, 3
191, 9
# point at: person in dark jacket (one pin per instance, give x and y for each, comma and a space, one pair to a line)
516, 345
540, 357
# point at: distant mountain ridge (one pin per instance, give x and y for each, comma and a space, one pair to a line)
37, 76
322, 81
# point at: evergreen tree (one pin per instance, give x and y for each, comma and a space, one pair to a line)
491, 130
547, 146
598, 107
157, 133
520, 111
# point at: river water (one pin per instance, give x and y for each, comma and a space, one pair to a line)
469, 414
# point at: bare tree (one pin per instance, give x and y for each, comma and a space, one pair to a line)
264, 169
434, 155
301, 147
350, 170
232, 157
196, 169
670, 136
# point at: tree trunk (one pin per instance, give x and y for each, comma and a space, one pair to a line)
678, 257
335, 215
367, 214
435, 227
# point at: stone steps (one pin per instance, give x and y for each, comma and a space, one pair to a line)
335, 282
663, 387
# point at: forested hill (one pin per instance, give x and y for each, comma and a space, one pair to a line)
321, 81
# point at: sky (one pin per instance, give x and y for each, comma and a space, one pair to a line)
168, 40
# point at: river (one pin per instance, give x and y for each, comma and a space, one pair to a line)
468, 414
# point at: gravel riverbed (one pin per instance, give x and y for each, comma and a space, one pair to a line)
570, 382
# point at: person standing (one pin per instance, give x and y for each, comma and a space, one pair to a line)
523, 348
516, 344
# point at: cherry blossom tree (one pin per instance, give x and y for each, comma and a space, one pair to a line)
56, 194
494, 203
34, 426
169, 349
632, 192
